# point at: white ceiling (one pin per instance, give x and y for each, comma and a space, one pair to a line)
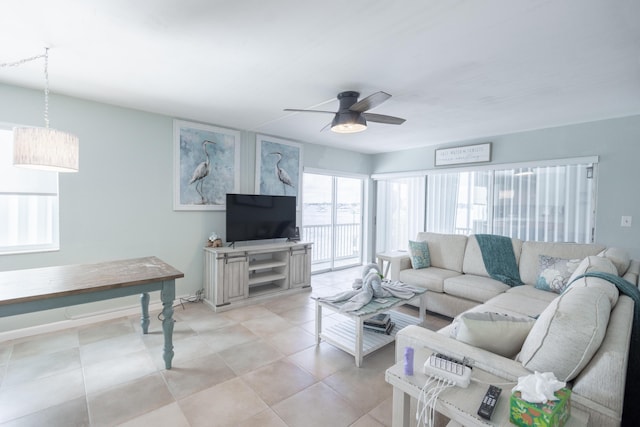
456, 69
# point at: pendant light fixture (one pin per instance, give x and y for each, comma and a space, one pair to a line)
44, 148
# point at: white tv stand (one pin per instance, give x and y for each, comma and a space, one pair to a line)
237, 276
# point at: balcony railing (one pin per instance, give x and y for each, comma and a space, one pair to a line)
347, 244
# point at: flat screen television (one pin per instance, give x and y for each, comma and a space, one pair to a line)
258, 217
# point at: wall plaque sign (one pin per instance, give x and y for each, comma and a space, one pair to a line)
465, 154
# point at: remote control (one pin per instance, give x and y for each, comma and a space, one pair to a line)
489, 402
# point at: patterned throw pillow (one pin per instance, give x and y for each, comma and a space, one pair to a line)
554, 273
419, 252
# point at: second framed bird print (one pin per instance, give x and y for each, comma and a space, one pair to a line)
278, 167
206, 165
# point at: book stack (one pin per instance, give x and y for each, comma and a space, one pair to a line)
380, 323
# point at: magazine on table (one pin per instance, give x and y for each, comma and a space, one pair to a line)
381, 329
381, 319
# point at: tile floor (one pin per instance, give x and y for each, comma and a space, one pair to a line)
252, 366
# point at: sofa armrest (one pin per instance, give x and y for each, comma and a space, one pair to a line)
633, 272
600, 387
419, 337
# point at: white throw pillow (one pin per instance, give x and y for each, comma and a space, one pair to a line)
495, 332
619, 257
568, 333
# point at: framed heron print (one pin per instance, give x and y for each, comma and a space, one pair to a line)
206, 166
278, 167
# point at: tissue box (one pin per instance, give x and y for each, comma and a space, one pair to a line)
554, 413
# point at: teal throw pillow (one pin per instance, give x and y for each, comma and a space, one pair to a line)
419, 252
554, 273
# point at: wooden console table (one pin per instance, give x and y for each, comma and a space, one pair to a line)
26, 291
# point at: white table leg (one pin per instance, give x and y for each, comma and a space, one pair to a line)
359, 333
401, 409
318, 321
423, 306
386, 270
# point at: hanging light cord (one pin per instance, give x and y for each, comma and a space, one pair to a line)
45, 55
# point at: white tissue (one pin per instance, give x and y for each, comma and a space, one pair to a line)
538, 388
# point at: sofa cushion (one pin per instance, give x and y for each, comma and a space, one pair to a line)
522, 303
595, 263
568, 333
419, 253
474, 288
446, 250
619, 257
531, 250
532, 292
496, 332
473, 262
431, 278
554, 273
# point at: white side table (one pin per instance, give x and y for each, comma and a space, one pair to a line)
390, 257
460, 405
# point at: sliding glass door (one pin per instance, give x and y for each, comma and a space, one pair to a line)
332, 220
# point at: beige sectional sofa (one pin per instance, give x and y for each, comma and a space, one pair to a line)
457, 279
582, 335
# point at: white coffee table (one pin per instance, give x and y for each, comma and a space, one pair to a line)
350, 335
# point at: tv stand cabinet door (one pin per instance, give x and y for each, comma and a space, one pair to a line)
235, 280
300, 267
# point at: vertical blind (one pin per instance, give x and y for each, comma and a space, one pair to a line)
554, 203
400, 212
551, 204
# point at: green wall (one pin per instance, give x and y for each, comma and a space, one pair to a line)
615, 141
120, 204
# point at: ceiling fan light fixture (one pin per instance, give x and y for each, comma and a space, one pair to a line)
348, 122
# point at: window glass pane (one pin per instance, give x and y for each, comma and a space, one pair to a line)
457, 202
348, 220
318, 216
332, 220
28, 205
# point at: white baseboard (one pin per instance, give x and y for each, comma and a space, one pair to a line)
77, 321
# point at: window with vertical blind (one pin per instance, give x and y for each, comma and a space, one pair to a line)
28, 205
552, 201
400, 212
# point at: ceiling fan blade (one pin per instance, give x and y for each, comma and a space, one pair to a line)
381, 118
370, 102
308, 111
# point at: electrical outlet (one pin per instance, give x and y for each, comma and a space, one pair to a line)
626, 221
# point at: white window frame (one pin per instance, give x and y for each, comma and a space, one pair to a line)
591, 160
43, 208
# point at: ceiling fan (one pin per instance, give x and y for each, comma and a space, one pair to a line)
352, 116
